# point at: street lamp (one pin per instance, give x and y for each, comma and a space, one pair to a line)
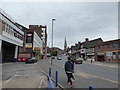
52, 41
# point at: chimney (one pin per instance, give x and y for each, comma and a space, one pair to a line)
86, 39
78, 42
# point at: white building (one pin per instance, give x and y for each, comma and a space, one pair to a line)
37, 42
11, 37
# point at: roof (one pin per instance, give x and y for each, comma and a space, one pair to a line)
92, 43
76, 47
110, 42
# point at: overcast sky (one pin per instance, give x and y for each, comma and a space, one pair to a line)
74, 20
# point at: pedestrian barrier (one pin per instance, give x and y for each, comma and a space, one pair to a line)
56, 78
90, 87
50, 82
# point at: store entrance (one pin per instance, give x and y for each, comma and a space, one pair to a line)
8, 51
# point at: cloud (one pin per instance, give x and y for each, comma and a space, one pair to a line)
74, 20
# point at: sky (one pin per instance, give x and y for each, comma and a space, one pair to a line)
74, 20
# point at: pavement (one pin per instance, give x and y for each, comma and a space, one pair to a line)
25, 77
18, 81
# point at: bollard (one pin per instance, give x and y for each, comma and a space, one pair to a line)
50, 70
90, 87
56, 78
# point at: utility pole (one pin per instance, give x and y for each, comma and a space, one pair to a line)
52, 43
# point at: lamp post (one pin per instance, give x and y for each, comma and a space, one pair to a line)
52, 42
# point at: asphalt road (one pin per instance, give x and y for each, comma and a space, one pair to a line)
99, 76
21, 75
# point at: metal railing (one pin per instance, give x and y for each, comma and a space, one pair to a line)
50, 82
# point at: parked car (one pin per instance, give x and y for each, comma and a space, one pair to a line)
24, 59
53, 57
21, 59
23, 56
31, 60
59, 57
48, 55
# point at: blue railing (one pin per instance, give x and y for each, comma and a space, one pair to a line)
50, 82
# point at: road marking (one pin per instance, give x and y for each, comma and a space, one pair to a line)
41, 82
105, 65
87, 75
9, 80
7, 63
31, 64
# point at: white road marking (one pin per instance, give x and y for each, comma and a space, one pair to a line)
106, 65
9, 80
31, 64
7, 63
41, 82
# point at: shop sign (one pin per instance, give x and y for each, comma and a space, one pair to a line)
28, 45
36, 49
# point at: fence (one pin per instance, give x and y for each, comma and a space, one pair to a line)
50, 82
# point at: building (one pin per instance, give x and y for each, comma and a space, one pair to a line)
109, 51
42, 33
75, 51
88, 48
11, 38
32, 42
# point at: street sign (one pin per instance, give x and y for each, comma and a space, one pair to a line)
36, 49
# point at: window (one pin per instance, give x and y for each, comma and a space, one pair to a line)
114, 55
108, 46
3, 26
119, 55
113, 45
29, 40
118, 44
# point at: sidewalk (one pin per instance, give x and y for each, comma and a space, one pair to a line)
107, 64
25, 81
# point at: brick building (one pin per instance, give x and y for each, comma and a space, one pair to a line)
87, 49
109, 51
35, 38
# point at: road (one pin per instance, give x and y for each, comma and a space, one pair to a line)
21, 75
99, 76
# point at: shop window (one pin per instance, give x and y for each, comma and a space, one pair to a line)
114, 55
113, 46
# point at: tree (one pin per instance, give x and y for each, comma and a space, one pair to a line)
54, 53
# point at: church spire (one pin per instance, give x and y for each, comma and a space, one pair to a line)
65, 45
